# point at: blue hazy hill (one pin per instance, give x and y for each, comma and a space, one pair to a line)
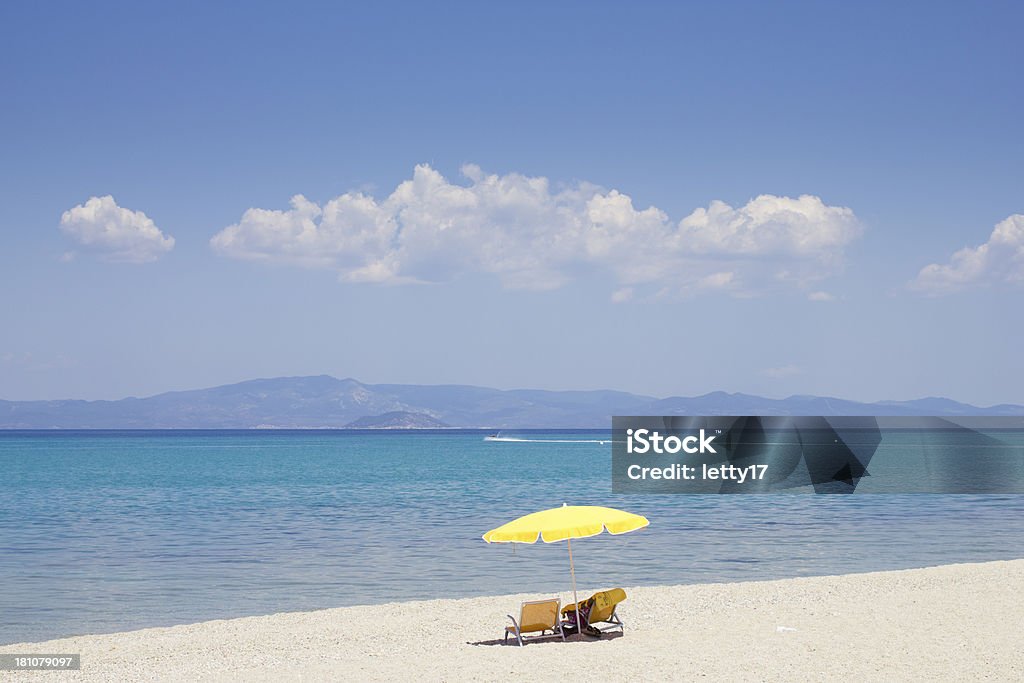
327, 402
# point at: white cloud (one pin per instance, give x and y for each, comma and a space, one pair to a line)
26, 360
116, 233
532, 235
820, 296
769, 225
1000, 260
347, 231
622, 295
720, 280
782, 372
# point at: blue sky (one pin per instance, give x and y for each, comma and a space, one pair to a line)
477, 183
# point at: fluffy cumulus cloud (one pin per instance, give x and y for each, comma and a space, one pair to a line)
769, 225
1000, 260
533, 235
114, 232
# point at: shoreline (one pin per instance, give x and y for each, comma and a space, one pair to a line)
961, 621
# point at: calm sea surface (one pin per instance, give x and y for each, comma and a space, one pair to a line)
108, 531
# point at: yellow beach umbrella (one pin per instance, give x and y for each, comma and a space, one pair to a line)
564, 524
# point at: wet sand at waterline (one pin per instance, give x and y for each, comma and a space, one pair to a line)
954, 622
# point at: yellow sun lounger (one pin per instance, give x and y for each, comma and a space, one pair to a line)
537, 616
602, 610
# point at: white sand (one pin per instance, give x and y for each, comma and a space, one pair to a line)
958, 622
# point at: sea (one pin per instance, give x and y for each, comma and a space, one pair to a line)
104, 531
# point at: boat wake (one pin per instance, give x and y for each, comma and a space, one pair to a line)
514, 439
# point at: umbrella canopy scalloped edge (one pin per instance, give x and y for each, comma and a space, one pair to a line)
568, 521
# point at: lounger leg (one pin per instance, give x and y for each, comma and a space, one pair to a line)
614, 619
515, 626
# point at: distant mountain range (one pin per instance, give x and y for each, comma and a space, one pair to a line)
327, 402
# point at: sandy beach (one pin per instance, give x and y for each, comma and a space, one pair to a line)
955, 622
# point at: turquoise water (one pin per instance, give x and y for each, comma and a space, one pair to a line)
106, 531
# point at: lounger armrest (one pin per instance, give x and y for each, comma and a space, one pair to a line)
514, 622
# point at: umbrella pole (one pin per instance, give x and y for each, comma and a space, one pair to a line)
575, 600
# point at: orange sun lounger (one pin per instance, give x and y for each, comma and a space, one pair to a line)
537, 616
602, 610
